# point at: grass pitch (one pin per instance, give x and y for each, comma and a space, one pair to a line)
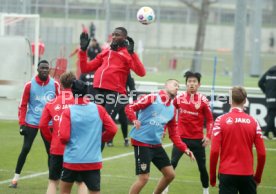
118, 172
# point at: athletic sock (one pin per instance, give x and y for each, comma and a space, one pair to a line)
16, 177
206, 190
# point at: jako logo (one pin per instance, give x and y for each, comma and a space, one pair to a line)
242, 120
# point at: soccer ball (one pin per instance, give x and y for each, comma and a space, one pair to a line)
145, 15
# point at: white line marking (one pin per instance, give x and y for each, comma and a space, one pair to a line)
175, 180
26, 177
125, 155
129, 153
104, 159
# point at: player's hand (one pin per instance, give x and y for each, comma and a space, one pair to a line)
22, 130
84, 41
256, 180
137, 124
190, 154
130, 46
206, 141
213, 181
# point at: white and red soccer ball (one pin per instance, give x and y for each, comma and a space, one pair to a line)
146, 15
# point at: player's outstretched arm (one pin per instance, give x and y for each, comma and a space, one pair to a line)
92, 65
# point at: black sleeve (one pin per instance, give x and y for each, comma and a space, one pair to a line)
82, 77
261, 82
99, 48
130, 83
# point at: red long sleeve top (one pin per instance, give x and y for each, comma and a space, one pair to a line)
112, 68
233, 136
193, 110
53, 111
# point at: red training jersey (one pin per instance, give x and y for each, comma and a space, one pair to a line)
143, 103
23, 106
233, 136
193, 110
112, 68
52, 111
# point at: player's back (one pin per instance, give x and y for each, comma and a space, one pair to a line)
58, 105
238, 132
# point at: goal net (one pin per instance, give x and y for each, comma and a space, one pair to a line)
17, 31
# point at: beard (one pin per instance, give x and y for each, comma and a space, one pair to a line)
172, 95
115, 45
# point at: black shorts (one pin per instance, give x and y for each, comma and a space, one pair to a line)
92, 178
145, 155
55, 167
236, 184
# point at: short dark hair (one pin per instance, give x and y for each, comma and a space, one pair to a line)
189, 74
79, 88
42, 61
122, 29
239, 94
66, 79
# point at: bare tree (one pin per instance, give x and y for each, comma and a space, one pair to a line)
203, 14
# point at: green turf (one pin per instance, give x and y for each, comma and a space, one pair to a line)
159, 60
117, 174
161, 77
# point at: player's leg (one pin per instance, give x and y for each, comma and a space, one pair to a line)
28, 142
270, 122
142, 163
273, 126
47, 148
54, 173
227, 184
124, 125
82, 188
247, 185
200, 156
52, 186
99, 99
65, 187
92, 179
113, 104
162, 162
26, 147
175, 156
67, 179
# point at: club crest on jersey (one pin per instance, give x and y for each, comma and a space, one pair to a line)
197, 105
57, 107
229, 121
143, 166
